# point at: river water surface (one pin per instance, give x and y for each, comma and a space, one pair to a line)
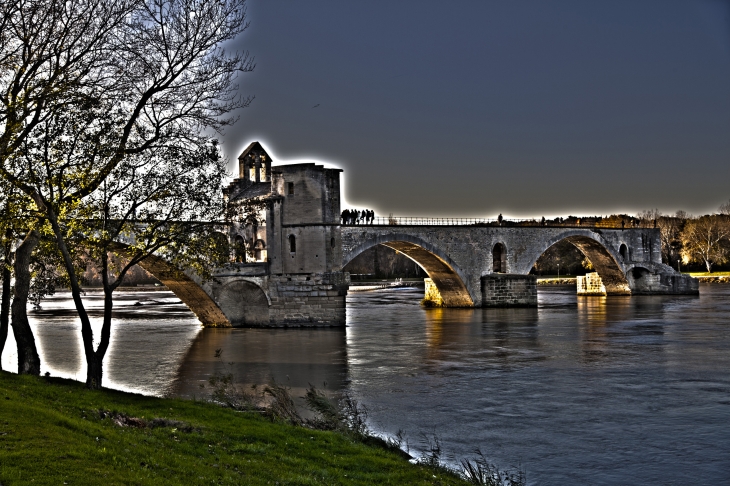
581, 390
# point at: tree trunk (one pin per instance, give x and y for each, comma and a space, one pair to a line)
93, 377
5, 302
28, 361
94, 371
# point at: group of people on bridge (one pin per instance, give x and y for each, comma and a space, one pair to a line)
353, 216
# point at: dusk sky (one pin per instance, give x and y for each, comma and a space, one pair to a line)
475, 108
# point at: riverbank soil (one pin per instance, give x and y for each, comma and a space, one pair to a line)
55, 431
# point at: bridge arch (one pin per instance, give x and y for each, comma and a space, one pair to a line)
446, 276
605, 260
187, 290
245, 303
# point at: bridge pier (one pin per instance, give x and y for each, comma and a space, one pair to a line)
509, 290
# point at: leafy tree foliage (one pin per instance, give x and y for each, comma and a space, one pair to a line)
99, 98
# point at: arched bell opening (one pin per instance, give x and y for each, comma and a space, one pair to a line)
447, 288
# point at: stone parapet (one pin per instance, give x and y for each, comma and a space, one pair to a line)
509, 290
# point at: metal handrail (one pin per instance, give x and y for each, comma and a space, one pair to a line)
427, 221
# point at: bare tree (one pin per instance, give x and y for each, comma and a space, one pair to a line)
704, 240
648, 218
724, 209
670, 229
52, 53
151, 205
149, 77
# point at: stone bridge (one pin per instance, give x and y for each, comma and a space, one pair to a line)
289, 248
481, 265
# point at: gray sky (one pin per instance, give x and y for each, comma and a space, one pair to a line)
474, 108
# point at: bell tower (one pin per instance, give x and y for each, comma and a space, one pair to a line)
254, 165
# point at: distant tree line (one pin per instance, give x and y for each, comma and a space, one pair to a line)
698, 242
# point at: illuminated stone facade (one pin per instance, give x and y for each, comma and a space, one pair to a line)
590, 284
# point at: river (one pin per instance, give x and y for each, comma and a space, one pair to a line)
580, 390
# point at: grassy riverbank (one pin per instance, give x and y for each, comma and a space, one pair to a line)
54, 431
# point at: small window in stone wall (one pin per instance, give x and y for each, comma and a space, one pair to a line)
290, 188
263, 173
499, 258
332, 242
292, 243
252, 172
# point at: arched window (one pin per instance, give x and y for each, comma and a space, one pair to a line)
292, 243
624, 252
239, 249
260, 250
499, 258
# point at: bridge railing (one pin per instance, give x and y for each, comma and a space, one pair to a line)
591, 222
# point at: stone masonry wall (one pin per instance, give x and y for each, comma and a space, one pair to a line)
432, 296
507, 290
308, 300
590, 284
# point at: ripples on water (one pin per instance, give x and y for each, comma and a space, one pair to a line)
583, 390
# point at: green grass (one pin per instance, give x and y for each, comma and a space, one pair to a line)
707, 274
51, 432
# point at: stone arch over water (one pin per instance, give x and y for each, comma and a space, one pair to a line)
445, 274
605, 261
187, 290
244, 302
